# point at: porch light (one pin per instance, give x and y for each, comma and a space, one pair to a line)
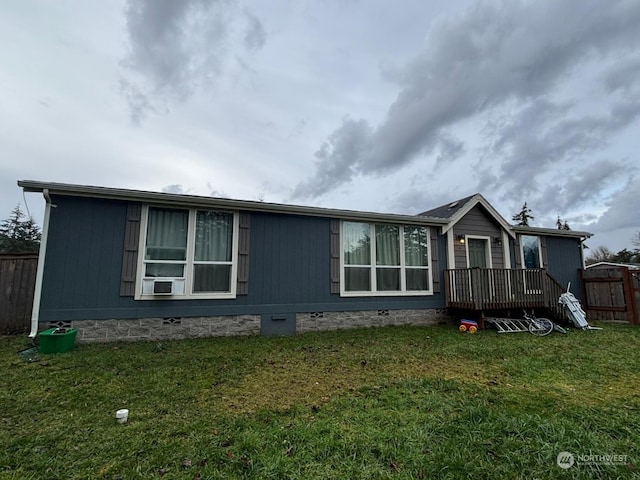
498, 241
461, 239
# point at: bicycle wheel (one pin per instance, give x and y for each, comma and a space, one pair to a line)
540, 327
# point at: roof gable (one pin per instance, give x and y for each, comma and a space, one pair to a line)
456, 210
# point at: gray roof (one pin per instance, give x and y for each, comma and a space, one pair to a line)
213, 202
448, 210
553, 232
445, 215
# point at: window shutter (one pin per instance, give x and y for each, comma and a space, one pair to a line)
518, 252
543, 250
435, 263
242, 287
130, 250
335, 256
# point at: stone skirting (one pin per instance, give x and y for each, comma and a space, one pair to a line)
166, 328
235, 325
318, 321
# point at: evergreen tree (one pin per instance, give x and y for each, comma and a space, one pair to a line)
19, 235
560, 225
523, 217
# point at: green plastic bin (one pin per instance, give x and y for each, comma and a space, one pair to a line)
57, 340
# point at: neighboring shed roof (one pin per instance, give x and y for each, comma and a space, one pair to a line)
202, 201
630, 266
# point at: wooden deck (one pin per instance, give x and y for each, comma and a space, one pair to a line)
483, 289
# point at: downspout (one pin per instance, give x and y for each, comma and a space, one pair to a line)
35, 311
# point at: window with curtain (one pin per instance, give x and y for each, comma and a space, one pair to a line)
531, 252
385, 259
194, 245
416, 247
356, 241
166, 247
213, 261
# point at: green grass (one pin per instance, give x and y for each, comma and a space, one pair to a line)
372, 403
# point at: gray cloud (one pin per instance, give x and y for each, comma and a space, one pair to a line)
544, 135
139, 104
451, 148
580, 185
338, 158
176, 48
490, 56
623, 76
255, 36
621, 211
175, 188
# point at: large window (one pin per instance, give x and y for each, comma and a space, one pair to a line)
193, 249
384, 259
531, 252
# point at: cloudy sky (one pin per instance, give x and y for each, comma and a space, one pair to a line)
355, 104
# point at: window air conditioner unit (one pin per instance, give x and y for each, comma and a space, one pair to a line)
166, 286
163, 287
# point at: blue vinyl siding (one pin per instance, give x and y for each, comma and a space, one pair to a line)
289, 269
84, 255
565, 262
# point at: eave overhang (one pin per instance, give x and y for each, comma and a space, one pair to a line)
172, 199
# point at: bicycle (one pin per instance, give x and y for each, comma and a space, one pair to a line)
538, 326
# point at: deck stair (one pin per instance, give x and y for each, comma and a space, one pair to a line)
508, 325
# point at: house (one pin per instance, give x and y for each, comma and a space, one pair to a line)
126, 264
492, 265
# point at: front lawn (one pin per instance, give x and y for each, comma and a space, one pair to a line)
398, 402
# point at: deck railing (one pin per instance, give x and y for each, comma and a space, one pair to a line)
501, 289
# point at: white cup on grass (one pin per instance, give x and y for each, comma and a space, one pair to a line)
122, 415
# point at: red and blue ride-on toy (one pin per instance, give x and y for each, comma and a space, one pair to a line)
470, 326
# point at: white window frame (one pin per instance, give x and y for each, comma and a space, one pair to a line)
527, 289
188, 277
403, 292
540, 262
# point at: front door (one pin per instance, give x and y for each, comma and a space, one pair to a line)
477, 252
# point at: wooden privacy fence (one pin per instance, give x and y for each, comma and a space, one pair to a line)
612, 293
17, 284
503, 289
